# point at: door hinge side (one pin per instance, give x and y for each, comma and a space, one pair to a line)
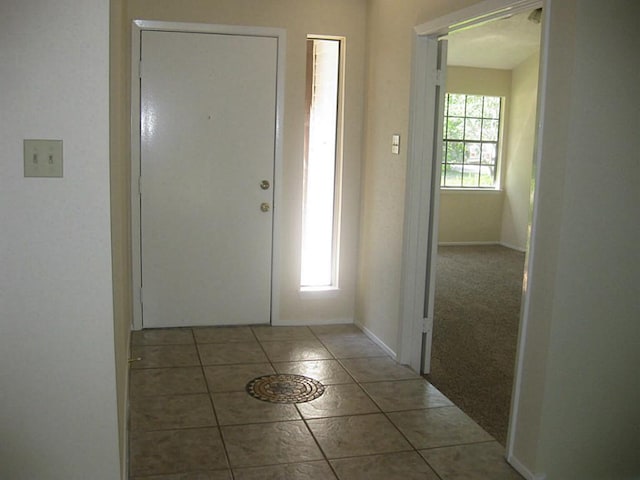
427, 324
140, 68
140, 295
140, 185
439, 77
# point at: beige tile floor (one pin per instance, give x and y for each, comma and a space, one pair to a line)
191, 418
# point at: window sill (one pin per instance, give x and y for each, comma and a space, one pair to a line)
487, 191
319, 292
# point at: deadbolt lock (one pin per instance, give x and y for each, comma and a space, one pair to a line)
265, 207
264, 184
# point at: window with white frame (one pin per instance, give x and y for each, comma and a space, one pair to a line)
322, 164
471, 143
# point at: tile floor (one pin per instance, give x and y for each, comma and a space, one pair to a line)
191, 418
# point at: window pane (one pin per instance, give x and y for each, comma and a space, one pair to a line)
472, 128
456, 105
472, 153
490, 130
470, 146
470, 176
489, 153
318, 255
474, 106
487, 176
491, 107
455, 128
453, 176
455, 152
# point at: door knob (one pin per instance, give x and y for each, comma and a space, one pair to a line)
264, 184
264, 207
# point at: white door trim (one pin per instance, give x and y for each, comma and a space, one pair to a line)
141, 25
421, 202
416, 236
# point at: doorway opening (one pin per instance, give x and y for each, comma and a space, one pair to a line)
482, 232
423, 192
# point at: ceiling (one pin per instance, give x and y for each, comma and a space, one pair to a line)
502, 43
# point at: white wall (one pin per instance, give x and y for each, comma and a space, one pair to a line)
581, 388
58, 416
519, 146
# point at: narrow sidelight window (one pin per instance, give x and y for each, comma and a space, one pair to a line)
321, 188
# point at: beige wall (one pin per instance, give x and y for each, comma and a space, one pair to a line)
475, 216
333, 17
389, 32
479, 81
470, 216
518, 170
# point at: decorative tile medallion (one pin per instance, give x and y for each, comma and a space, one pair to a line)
285, 388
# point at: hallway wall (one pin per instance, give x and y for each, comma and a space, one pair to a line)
58, 412
388, 78
577, 414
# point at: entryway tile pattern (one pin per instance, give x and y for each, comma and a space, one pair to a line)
191, 418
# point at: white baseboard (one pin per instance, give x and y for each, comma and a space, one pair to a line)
466, 244
125, 447
513, 247
524, 471
312, 323
377, 341
471, 244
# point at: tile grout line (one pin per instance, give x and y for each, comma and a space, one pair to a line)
213, 407
272, 365
414, 449
357, 382
324, 456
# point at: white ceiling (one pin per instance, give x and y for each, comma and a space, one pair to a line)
502, 43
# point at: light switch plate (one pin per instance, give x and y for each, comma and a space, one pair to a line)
395, 144
42, 158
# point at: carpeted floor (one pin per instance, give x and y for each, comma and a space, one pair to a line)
477, 311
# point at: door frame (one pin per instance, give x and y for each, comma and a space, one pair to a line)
137, 27
417, 233
421, 201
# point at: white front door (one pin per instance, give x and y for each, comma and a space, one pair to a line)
207, 143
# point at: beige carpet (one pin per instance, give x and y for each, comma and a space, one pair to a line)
477, 310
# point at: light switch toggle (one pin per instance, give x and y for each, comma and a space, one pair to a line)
395, 144
42, 158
